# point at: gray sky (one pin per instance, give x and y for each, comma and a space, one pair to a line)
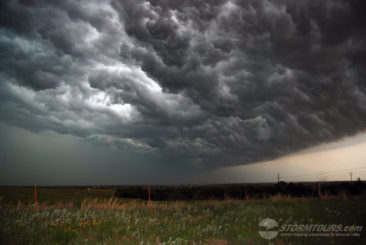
118, 92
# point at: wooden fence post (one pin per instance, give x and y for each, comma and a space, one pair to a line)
148, 191
246, 193
35, 195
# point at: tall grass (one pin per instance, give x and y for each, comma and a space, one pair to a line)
120, 221
112, 203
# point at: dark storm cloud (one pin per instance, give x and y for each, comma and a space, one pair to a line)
212, 82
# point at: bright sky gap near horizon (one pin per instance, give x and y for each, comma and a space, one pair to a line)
174, 92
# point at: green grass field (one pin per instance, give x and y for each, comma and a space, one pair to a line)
81, 216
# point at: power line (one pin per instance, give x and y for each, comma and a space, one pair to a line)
331, 174
339, 170
323, 173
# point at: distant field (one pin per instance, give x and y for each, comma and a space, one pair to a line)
91, 216
53, 195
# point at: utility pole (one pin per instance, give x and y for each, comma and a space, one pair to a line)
278, 177
319, 189
350, 174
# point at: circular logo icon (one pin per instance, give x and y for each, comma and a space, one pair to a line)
269, 232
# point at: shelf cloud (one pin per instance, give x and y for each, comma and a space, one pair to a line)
213, 82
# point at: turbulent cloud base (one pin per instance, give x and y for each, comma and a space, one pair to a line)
216, 82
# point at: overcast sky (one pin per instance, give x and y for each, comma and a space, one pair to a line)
163, 91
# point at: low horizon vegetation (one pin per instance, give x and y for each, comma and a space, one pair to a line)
77, 196
99, 217
244, 191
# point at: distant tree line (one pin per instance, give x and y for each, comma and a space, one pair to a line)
240, 191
